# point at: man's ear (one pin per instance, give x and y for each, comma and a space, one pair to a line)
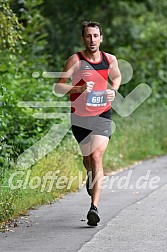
101, 38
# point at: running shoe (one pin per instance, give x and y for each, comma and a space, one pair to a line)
93, 216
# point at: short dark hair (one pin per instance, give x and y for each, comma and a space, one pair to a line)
90, 24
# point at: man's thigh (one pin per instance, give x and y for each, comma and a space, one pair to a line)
97, 143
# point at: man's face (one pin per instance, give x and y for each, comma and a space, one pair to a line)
92, 38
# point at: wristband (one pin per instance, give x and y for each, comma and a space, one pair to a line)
115, 90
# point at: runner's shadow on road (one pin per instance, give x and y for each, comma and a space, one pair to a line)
86, 227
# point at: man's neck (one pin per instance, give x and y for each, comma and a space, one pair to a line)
92, 56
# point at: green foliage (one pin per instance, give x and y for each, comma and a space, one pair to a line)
64, 24
19, 129
37, 36
10, 28
135, 31
142, 135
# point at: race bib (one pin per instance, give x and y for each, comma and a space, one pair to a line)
96, 98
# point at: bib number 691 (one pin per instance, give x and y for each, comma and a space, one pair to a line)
97, 99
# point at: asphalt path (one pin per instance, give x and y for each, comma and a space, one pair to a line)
133, 215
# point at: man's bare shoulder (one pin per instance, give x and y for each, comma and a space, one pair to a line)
73, 59
110, 57
72, 62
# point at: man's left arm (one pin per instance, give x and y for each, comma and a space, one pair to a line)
115, 76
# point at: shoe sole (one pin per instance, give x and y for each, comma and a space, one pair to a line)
93, 218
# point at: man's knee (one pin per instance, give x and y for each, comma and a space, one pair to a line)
96, 156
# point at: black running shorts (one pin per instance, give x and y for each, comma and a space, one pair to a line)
85, 126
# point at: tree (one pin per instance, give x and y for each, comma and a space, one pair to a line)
21, 56
135, 31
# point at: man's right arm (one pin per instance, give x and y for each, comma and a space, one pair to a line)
61, 86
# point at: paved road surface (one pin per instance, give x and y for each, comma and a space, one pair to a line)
133, 210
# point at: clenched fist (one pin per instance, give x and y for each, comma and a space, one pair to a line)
88, 86
110, 95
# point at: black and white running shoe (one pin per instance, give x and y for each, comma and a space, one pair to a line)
93, 216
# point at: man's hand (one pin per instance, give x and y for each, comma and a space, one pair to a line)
88, 86
110, 95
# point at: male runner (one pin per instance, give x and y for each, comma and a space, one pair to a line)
91, 105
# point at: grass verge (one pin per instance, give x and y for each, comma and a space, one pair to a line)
142, 135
